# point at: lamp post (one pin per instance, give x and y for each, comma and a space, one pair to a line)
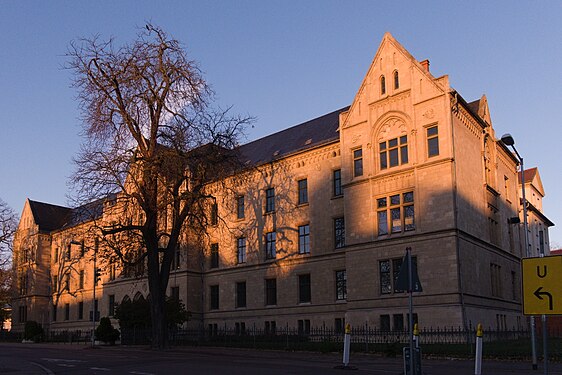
508, 140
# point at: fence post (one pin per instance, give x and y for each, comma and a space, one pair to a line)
478, 358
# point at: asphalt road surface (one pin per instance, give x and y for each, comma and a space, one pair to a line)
51, 359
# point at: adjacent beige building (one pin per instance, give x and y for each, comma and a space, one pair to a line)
316, 234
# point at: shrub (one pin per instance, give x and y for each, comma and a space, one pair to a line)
33, 331
105, 331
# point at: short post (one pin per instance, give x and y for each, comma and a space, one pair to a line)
346, 344
416, 336
478, 359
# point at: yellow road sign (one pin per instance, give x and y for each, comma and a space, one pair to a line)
542, 285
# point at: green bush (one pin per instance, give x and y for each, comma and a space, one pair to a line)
33, 331
105, 331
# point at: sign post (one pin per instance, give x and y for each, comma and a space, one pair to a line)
408, 280
542, 294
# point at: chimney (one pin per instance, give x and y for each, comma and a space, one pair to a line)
425, 64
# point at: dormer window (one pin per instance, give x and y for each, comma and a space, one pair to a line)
396, 80
383, 85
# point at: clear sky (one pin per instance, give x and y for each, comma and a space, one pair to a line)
283, 62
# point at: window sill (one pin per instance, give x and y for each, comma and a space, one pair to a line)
337, 196
303, 204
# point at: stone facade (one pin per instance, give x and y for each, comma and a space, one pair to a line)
412, 164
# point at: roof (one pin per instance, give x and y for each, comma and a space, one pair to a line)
310, 134
50, 217
529, 174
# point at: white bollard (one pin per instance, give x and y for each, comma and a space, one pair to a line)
478, 359
346, 345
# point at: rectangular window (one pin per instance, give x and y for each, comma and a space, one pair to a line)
495, 278
54, 316
55, 284
66, 311
214, 293
270, 327
111, 305
397, 322
270, 250
395, 213
82, 249
240, 207
341, 285
303, 191
337, 183
214, 214
339, 325
339, 232
80, 310
304, 239
513, 286
432, 141
56, 254
304, 326
385, 322
304, 288
81, 280
358, 162
175, 293
270, 292
393, 152
241, 294
68, 252
241, 250
388, 274
111, 272
67, 283
214, 255
22, 314
270, 200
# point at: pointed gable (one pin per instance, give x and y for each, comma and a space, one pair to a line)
396, 75
480, 108
533, 178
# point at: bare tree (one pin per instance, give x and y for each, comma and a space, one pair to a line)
8, 226
152, 143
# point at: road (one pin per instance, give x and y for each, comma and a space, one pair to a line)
48, 359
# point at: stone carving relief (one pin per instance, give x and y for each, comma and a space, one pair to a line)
392, 128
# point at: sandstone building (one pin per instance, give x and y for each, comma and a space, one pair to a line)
317, 235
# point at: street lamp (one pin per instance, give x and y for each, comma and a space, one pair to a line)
508, 140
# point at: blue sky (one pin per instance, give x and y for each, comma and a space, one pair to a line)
283, 62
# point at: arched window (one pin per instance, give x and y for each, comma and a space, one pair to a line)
126, 299
396, 80
383, 85
138, 296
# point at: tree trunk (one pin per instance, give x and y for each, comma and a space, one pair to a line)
157, 304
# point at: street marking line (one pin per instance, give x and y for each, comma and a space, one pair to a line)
65, 365
99, 369
61, 360
47, 371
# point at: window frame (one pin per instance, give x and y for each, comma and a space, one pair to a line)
302, 185
269, 200
430, 139
388, 211
270, 289
339, 232
341, 285
393, 152
396, 80
241, 300
271, 245
241, 247
382, 80
240, 207
337, 185
305, 288
357, 155
304, 239
214, 297
214, 256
